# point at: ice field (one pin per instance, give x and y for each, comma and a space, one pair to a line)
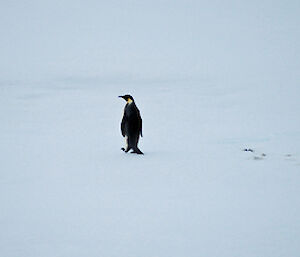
211, 80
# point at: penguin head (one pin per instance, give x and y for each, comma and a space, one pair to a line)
127, 98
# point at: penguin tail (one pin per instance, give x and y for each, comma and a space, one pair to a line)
137, 151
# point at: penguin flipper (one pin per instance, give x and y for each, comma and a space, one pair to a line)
141, 126
123, 125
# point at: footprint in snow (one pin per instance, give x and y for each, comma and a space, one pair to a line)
262, 156
256, 157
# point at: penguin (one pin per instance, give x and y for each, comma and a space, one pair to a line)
131, 125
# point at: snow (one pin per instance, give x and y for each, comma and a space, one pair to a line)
210, 80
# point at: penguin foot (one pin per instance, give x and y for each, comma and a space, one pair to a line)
125, 150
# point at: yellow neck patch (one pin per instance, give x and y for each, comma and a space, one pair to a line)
129, 101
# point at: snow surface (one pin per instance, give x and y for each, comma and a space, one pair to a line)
210, 80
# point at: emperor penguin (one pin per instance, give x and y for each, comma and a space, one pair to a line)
131, 125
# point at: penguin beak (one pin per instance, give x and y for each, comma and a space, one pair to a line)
122, 97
